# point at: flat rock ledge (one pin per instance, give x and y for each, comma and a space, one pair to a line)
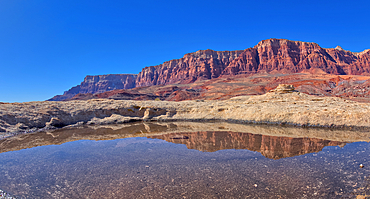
285, 107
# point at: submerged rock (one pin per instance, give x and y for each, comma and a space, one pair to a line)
4, 195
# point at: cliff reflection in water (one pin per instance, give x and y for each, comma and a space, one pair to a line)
269, 146
272, 142
153, 160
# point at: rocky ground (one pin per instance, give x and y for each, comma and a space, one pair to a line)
280, 106
4, 195
313, 82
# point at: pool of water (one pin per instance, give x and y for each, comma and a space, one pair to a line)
201, 164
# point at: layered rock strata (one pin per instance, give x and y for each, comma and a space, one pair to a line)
203, 64
267, 56
315, 83
292, 108
99, 84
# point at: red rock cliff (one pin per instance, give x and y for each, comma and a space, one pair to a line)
99, 84
268, 55
271, 55
203, 64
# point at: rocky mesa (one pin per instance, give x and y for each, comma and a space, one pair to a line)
267, 56
271, 56
99, 84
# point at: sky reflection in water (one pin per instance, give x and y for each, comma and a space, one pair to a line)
162, 165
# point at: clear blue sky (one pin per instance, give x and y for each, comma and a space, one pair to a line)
48, 46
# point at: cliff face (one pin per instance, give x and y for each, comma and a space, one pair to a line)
99, 84
270, 56
267, 56
269, 146
203, 64
283, 55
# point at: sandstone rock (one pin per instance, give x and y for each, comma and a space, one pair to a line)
123, 94
293, 108
99, 84
350, 87
284, 88
271, 56
338, 48
83, 96
185, 94
267, 56
56, 122
203, 64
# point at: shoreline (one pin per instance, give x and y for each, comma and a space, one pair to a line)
280, 108
145, 129
275, 124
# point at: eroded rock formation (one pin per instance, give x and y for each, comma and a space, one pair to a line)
268, 55
271, 56
99, 84
292, 108
203, 64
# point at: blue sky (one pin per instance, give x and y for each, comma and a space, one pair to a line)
48, 46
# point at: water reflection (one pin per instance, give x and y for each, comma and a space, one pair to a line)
269, 146
111, 132
161, 165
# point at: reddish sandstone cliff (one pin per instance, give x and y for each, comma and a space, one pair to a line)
267, 56
203, 64
271, 56
99, 84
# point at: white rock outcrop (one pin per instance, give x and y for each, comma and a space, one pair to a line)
290, 108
